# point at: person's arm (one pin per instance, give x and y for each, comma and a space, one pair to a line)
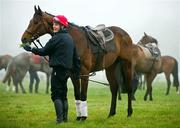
47, 49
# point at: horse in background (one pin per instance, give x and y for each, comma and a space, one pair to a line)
151, 66
18, 67
144, 62
169, 66
41, 24
4, 60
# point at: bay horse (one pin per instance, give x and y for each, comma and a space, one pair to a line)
41, 24
4, 60
151, 66
169, 66
20, 65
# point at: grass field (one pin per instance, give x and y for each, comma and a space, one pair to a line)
37, 111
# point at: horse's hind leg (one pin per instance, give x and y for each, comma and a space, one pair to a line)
128, 73
168, 83
22, 88
110, 74
15, 82
119, 93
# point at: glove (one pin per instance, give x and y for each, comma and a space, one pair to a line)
27, 48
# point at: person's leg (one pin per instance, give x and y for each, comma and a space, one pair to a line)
59, 93
58, 105
65, 110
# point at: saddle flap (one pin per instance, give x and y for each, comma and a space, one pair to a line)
100, 35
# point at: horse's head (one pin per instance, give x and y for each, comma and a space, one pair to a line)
40, 24
147, 39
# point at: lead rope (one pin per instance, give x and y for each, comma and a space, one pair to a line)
41, 46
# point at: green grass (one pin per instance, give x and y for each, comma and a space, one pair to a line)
37, 111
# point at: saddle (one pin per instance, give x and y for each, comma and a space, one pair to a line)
101, 41
100, 35
154, 50
150, 51
36, 59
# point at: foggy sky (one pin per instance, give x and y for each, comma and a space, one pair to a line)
158, 18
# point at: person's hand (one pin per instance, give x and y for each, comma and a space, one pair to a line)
27, 47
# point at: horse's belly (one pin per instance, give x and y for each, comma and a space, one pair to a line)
147, 65
144, 66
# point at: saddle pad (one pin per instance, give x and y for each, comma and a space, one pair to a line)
36, 59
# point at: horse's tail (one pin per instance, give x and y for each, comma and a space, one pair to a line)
175, 74
9, 71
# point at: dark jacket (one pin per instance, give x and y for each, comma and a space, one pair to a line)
60, 49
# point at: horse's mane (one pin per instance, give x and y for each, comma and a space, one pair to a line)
50, 14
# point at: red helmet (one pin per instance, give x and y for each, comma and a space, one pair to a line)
62, 19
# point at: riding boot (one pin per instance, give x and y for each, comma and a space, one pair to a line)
59, 110
65, 110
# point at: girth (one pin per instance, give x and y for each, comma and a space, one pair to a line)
101, 40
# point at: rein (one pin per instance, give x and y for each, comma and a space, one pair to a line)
41, 46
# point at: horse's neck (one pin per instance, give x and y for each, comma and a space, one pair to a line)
48, 19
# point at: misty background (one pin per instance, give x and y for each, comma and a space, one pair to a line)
158, 18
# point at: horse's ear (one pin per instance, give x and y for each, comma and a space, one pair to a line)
145, 34
35, 9
39, 10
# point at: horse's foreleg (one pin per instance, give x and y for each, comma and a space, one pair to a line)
76, 85
83, 105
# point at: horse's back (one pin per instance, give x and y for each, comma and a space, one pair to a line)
121, 34
168, 62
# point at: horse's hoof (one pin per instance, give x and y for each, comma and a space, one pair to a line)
110, 115
83, 118
78, 118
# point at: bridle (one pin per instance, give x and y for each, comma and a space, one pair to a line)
36, 35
